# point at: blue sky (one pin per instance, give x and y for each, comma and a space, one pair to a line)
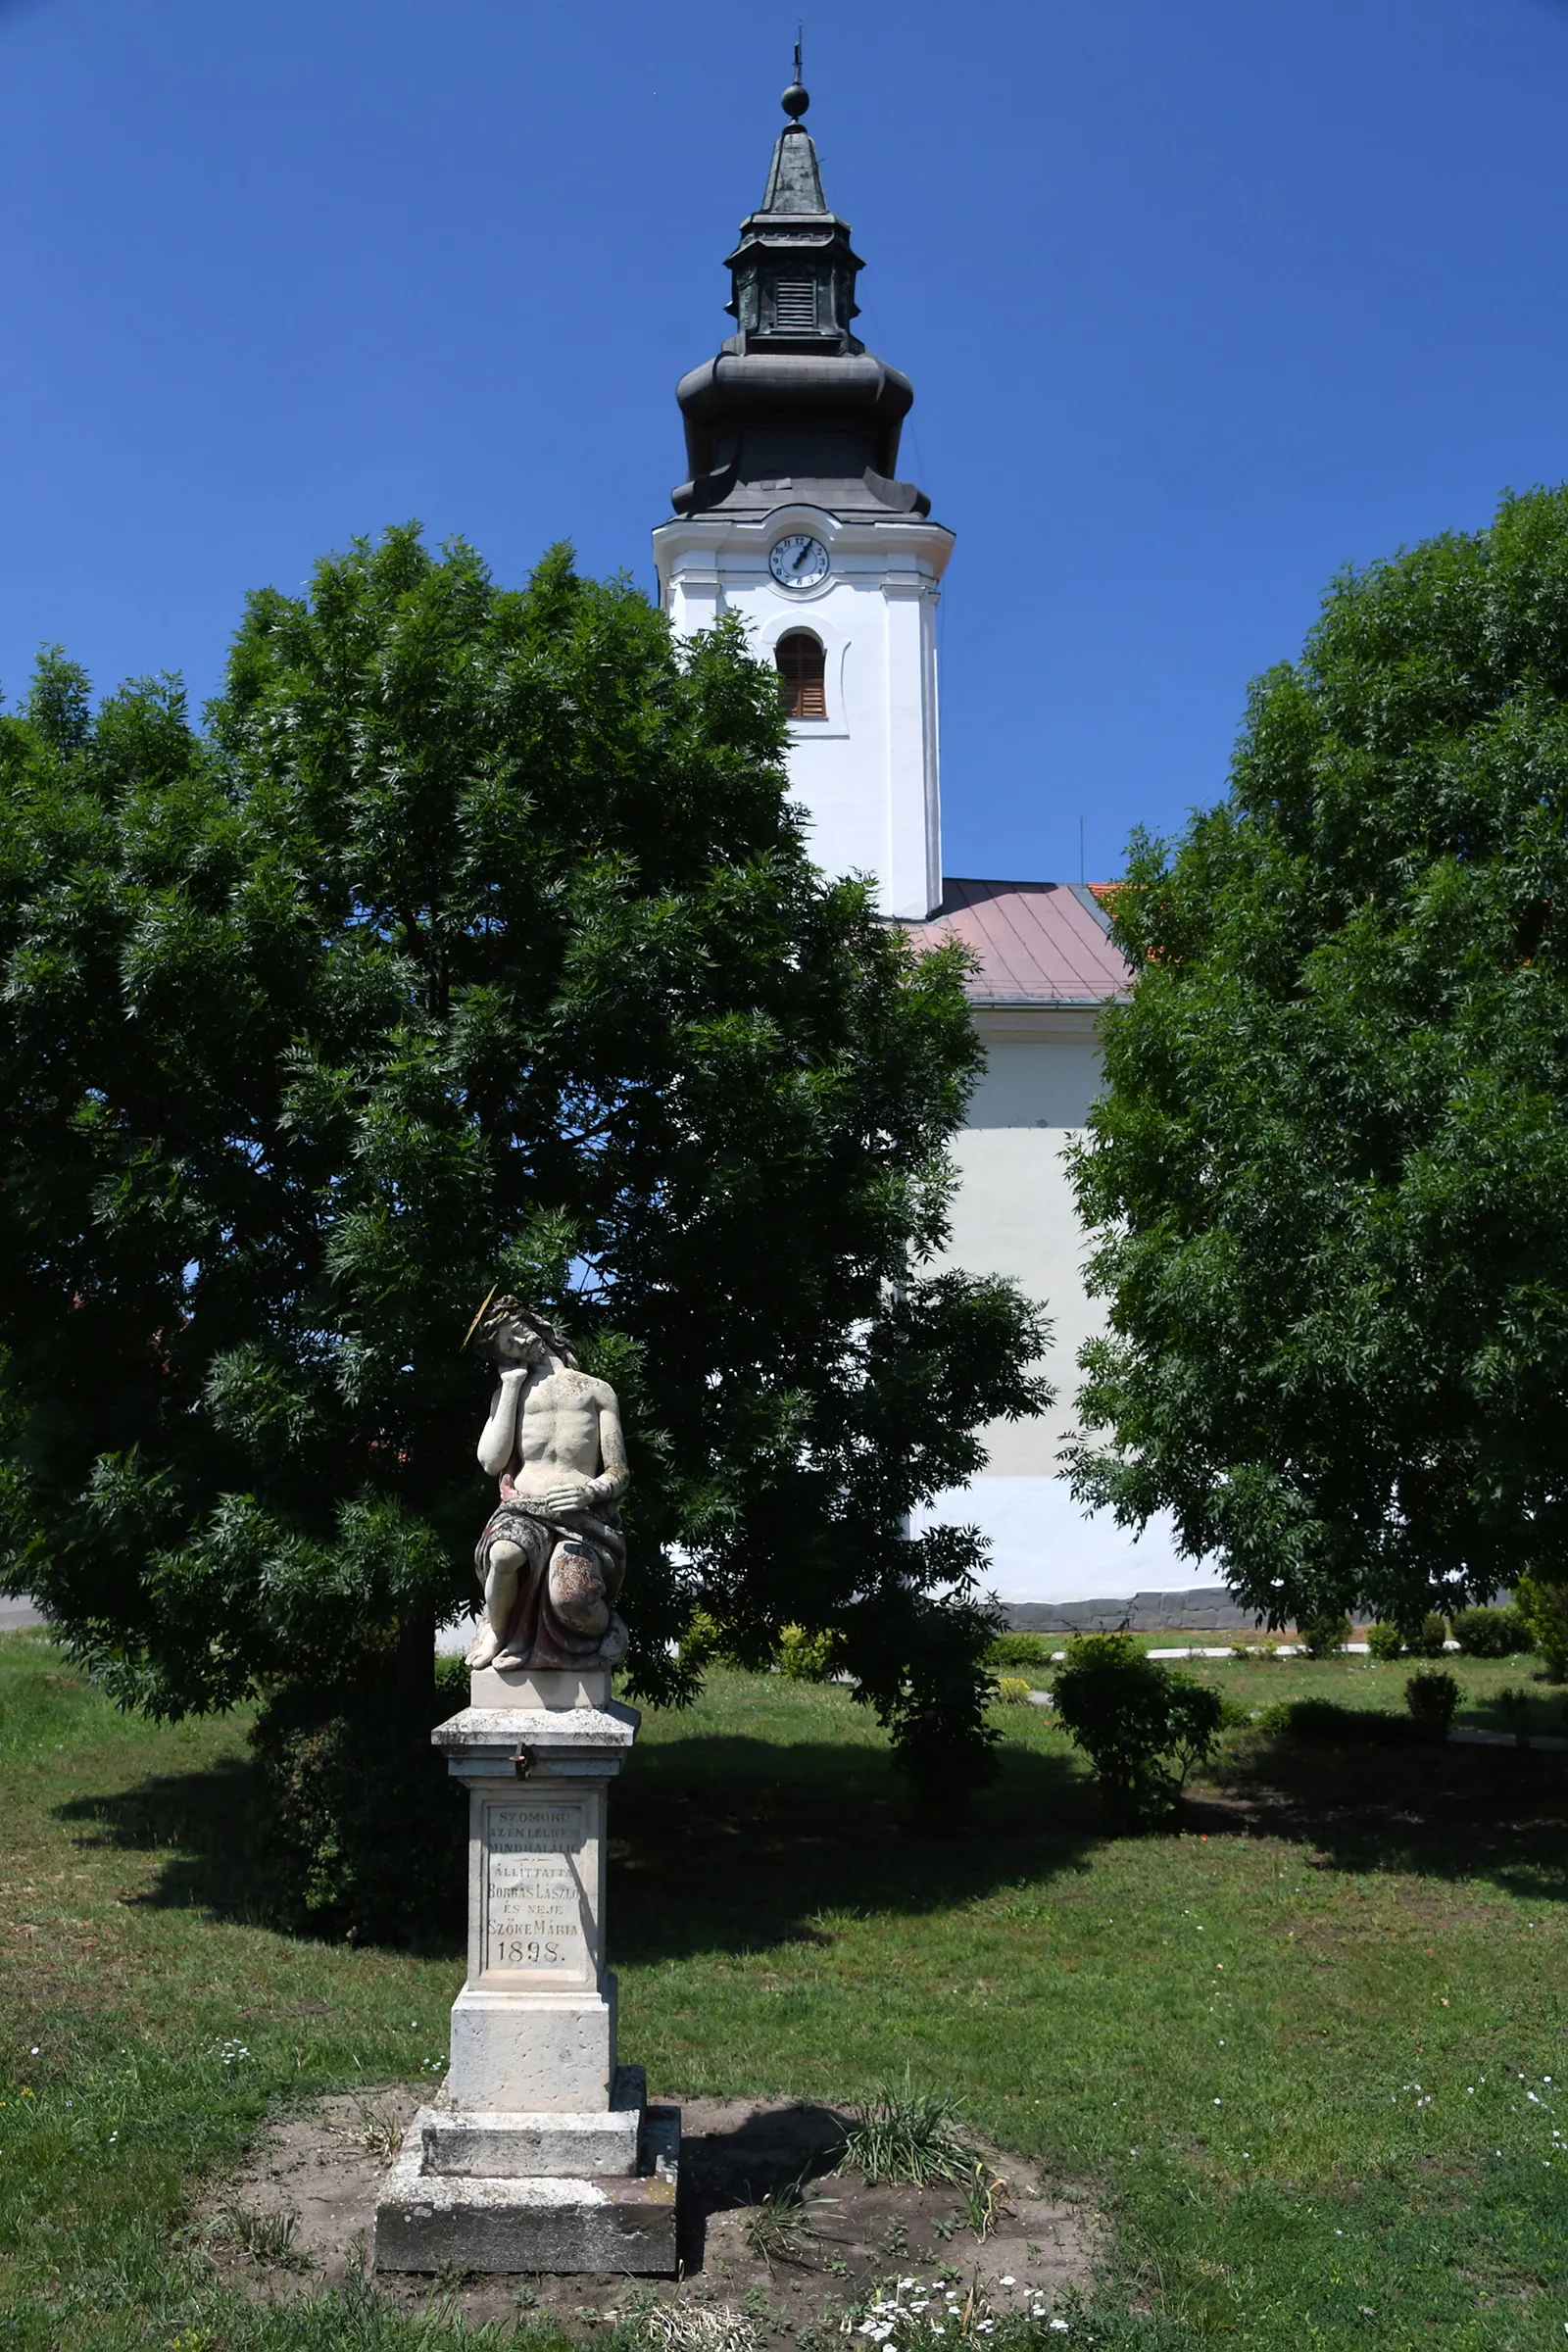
1199, 302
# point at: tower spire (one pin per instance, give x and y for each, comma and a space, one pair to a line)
794, 395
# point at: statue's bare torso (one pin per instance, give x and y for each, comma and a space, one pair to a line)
554, 1439
555, 1436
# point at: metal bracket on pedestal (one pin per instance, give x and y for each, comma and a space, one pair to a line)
522, 1761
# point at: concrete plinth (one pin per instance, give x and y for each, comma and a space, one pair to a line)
543, 2155
431, 2220
494, 2145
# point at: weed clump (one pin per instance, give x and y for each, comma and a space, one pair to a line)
902, 2134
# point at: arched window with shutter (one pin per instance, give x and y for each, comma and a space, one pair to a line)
801, 665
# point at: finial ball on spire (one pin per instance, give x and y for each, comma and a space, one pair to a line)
795, 101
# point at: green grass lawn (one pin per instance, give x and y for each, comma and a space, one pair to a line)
1288, 2046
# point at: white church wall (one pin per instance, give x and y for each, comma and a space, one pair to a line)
1014, 1214
867, 773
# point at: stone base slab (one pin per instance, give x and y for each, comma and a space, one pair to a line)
493, 2145
547, 2222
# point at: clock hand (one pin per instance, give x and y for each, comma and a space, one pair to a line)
800, 558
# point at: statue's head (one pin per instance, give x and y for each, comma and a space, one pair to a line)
511, 1333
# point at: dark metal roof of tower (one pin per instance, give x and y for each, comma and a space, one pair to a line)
794, 407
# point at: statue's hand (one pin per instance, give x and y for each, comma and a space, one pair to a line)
563, 1498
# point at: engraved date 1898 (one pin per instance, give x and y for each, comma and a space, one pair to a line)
513, 1953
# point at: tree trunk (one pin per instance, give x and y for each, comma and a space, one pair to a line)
416, 1653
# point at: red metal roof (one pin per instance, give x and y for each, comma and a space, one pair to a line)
1039, 943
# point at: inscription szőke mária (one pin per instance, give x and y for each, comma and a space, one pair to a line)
533, 1899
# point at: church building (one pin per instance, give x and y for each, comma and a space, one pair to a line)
794, 517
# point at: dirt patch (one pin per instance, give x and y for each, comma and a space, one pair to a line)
300, 2218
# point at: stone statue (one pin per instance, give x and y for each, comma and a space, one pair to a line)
552, 1556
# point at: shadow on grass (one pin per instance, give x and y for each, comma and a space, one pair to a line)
725, 1843
719, 1843
1451, 1812
202, 1824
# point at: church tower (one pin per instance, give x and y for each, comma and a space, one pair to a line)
793, 518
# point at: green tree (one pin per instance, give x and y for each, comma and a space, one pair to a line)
472, 937
1329, 1165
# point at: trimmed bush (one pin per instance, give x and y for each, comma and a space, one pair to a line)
1431, 1699
1142, 1728
1021, 1649
1327, 1723
805, 1658
361, 1833
1545, 1609
1012, 1690
702, 1642
1513, 1705
1325, 1637
1429, 1636
1385, 1642
1492, 1632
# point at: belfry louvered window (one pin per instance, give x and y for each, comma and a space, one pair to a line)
794, 305
803, 665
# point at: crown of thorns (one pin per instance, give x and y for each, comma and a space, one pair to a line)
497, 1311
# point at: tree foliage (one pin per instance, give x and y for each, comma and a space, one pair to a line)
1329, 1167
471, 937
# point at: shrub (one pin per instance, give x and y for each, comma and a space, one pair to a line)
1325, 1637
805, 1658
1142, 1728
1429, 1636
1432, 1698
1316, 1719
702, 1642
1012, 1690
1328, 1723
1545, 1609
1513, 1705
361, 1833
1385, 1642
1021, 1649
1490, 1632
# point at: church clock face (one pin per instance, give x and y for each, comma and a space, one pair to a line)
798, 562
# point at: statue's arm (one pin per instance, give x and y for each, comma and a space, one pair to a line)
614, 1476
499, 1437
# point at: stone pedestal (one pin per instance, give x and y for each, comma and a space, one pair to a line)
543, 2154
